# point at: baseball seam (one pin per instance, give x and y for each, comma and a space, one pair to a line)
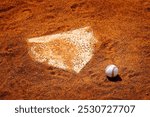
113, 71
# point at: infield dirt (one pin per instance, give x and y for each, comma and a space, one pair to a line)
122, 27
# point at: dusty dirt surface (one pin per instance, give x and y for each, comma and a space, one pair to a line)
121, 26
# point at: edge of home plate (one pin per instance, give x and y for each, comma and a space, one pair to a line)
75, 47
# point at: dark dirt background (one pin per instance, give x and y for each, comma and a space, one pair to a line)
122, 26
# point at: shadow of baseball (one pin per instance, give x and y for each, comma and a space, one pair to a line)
115, 79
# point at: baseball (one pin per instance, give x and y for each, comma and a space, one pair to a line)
111, 71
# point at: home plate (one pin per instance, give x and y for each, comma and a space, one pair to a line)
69, 50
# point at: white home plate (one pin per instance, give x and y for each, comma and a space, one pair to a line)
69, 50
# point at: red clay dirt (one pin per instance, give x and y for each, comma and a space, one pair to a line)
121, 26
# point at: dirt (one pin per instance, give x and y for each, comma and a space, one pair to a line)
122, 27
58, 48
